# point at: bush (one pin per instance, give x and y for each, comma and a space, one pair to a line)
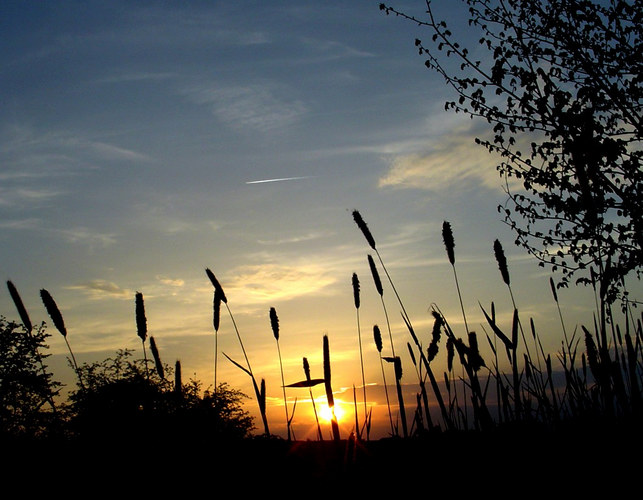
121, 398
27, 391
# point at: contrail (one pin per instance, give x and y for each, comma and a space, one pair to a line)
277, 180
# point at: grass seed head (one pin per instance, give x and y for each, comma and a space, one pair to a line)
376, 275
274, 323
502, 261
357, 217
356, 290
377, 336
178, 383
217, 286
53, 311
22, 311
216, 310
157, 358
553, 289
449, 242
141, 320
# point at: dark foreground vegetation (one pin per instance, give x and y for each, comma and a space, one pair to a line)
509, 408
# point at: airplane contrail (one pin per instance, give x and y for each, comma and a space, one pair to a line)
277, 180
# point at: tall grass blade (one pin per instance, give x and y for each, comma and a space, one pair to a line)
329, 388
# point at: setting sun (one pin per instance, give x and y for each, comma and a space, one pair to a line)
326, 414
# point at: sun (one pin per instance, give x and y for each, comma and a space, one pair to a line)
326, 414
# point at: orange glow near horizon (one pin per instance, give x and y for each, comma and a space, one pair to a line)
326, 414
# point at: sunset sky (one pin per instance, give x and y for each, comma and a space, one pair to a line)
142, 142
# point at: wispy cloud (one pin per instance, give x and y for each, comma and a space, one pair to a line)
87, 236
79, 235
328, 50
451, 161
255, 107
27, 196
294, 239
101, 289
137, 76
21, 224
28, 153
175, 282
271, 282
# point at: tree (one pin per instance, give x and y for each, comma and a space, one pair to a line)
560, 85
27, 391
122, 399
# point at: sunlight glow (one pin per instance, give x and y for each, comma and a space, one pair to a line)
326, 414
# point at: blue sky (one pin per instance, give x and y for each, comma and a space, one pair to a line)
132, 137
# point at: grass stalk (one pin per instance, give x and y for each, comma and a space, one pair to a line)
178, 382
312, 399
26, 322
380, 290
274, 324
397, 364
329, 388
356, 299
449, 243
216, 323
141, 324
57, 318
259, 390
157, 358
377, 336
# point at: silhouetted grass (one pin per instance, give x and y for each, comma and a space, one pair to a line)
593, 383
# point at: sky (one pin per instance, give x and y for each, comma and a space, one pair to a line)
143, 142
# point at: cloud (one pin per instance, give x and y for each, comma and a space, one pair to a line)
294, 239
452, 160
327, 50
21, 224
139, 76
29, 196
79, 235
110, 151
100, 289
255, 107
29, 154
271, 282
85, 236
175, 282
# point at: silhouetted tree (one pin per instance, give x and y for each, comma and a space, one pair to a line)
559, 82
27, 391
123, 399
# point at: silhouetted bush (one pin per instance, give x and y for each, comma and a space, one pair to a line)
27, 391
121, 398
